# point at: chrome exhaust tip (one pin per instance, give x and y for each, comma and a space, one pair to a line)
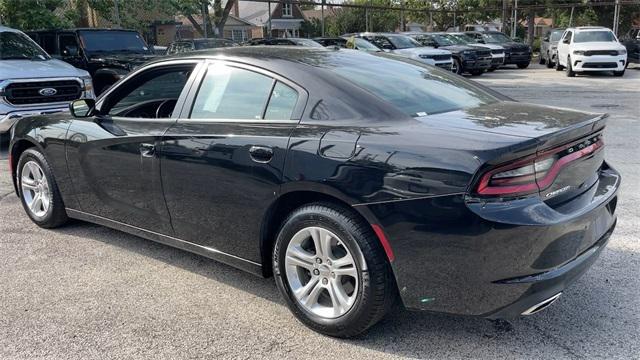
542, 305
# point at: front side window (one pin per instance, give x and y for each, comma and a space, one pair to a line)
238, 94
594, 36
68, 45
403, 42
231, 93
16, 46
153, 94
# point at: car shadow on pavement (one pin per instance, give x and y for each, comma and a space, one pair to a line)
591, 312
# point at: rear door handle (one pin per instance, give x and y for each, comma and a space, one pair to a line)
147, 150
261, 154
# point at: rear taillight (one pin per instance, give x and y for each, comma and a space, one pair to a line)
534, 173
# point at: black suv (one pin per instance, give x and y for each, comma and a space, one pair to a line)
631, 41
515, 52
465, 58
107, 54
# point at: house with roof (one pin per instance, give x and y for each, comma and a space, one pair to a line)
271, 19
235, 29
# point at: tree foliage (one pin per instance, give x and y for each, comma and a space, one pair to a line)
33, 15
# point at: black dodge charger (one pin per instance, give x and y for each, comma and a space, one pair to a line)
354, 179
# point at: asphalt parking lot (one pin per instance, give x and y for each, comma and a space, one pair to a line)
85, 291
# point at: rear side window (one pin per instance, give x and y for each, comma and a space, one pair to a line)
231, 93
415, 89
282, 102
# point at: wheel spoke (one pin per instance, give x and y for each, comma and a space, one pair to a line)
316, 236
346, 271
296, 256
339, 298
36, 203
28, 183
308, 294
325, 243
344, 261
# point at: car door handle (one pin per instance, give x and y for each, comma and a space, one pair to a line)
261, 154
147, 150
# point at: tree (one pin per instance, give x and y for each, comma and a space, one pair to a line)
34, 15
192, 8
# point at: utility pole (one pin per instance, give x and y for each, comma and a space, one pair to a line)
322, 16
269, 11
504, 15
116, 10
571, 16
616, 17
515, 19
402, 28
204, 19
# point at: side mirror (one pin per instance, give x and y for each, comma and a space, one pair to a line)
70, 51
82, 108
545, 39
566, 41
480, 41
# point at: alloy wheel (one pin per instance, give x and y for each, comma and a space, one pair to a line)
321, 272
35, 189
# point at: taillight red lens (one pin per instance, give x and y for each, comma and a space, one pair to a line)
534, 173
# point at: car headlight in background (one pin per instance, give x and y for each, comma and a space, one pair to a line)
622, 52
578, 52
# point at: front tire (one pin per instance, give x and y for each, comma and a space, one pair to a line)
523, 65
332, 270
558, 66
618, 73
569, 68
457, 66
39, 193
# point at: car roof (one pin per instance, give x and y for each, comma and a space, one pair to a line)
589, 28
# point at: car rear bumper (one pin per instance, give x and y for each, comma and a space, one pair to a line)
8, 120
598, 63
460, 256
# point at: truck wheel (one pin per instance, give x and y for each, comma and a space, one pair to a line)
570, 72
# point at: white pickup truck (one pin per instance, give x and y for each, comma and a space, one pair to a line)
32, 83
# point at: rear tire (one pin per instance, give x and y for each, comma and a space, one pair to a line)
322, 299
542, 60
39, 193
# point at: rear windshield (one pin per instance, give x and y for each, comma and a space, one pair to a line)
417, 90
590, 36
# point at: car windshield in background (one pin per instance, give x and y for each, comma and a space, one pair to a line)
96, 42
463, 39
362, 44
16, 46
592, 36
556, 35
211, 44
414, 89
403, 42
452, 40
496, 38
306, 42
